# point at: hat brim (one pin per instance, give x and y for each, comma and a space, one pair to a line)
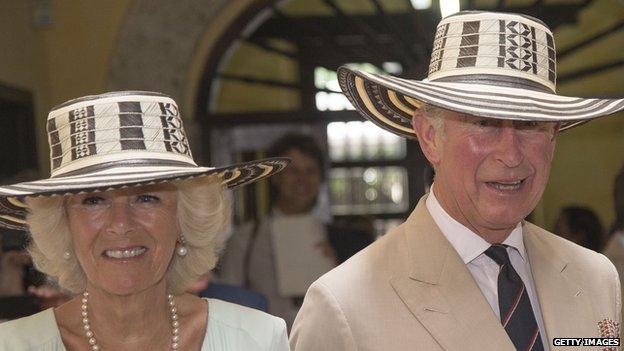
13, 210
390, 101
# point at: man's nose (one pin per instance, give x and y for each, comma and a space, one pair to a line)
509, 147
120, 217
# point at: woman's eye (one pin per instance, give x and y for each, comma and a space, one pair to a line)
146, 198
92, 200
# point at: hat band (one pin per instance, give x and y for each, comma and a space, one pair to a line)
87, 164
153, 162
495, 80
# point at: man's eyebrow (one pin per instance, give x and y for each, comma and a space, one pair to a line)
465, 116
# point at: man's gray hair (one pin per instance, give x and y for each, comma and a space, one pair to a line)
435, 115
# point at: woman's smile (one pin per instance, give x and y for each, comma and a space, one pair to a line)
135, 252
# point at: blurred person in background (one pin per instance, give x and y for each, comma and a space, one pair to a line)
618, 205
127, 221
13, 265
206, 287
248, 260
350, 235
580, 225
614, 249
23, 289
16, 270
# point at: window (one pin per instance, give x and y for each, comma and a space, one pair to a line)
358, 183
280, 75
371, 190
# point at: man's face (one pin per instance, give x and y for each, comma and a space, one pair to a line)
490, 174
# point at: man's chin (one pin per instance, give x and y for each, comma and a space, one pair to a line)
502, 224
504, 218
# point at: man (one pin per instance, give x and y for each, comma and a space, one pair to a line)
466, 271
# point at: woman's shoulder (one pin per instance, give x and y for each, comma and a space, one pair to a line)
241, 317
234, 321
38, 331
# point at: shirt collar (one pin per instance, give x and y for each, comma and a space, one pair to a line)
468, 244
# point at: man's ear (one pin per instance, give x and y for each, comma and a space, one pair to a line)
557, 130
428, 137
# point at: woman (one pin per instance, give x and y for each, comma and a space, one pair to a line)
249, 259
128, 221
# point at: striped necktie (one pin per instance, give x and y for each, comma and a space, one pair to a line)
515, 307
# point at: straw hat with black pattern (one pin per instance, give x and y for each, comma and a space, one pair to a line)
117, 140
487, 64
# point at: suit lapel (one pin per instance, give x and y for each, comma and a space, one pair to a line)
566, 309
442, 294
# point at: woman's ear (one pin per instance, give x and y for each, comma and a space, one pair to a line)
428, 136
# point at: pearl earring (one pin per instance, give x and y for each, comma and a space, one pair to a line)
181, 249
67, 255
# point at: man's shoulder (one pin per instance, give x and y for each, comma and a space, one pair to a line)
589, 271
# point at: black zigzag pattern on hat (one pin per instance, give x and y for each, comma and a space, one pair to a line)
518, 48
383, 101
175, 139
82, 132
439, 44
55, 143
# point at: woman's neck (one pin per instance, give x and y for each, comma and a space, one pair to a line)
289, 210
140, 321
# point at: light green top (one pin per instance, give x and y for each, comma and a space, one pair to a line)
230, 328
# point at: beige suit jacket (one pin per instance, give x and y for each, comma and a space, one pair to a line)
615, 252
410, 290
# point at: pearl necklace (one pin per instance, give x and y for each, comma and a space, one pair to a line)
175, 323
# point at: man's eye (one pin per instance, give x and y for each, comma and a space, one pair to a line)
483, 122
146, 198
534, 125
529, 124
92, 200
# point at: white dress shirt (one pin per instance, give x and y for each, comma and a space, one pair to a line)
471, 248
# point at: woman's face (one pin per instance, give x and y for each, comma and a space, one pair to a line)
124, 239
298, 184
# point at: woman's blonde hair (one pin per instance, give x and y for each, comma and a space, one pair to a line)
203, 215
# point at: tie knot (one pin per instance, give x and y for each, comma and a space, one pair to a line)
499, 254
